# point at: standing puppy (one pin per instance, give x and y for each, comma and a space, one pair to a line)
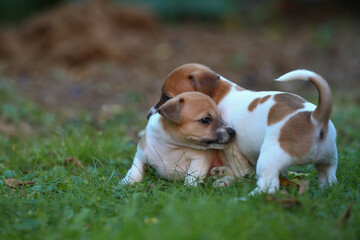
274, 130
176, 139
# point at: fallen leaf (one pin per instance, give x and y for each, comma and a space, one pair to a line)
346, 214
73, 160
284, 202
303, 186
13, 183
284, 182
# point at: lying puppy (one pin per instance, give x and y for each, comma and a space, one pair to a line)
176, 138
274, 130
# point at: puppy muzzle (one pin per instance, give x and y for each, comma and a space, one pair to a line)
225, 135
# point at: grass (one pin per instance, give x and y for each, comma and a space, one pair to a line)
69, 202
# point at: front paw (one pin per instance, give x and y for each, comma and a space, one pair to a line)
258, 190
126, 181
224, 181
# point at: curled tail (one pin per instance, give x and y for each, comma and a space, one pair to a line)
323, 110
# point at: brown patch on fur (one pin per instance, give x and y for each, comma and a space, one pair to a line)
195, 77
324, 108
256, 102
221, 91
142, 142
297, 135
264, 99
188, 78
171, 110
204, 81
285, 104
253, 104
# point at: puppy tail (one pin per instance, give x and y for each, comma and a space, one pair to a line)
323, 110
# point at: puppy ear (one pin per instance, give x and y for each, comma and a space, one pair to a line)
171, 110
204, 81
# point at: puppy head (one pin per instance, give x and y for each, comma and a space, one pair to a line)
186, 78
193, 120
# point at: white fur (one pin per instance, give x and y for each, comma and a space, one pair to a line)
259, 143
300, 74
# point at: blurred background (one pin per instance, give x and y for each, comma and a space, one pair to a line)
103, 56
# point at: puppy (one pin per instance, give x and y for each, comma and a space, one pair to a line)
274, 130
176, 138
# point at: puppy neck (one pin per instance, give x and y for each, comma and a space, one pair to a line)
224, 87
156, 133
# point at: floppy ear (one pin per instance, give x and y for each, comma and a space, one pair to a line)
171, 110
204, 81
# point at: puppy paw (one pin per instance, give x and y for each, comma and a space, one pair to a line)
224, 181
221, 171
126, 181
258, 190
220, 183
254, 192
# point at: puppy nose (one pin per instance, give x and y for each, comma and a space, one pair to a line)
231, 132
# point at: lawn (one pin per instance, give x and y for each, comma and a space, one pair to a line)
70, 169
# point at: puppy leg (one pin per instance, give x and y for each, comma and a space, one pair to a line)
237, 161
237, 166
327, 172
271, 161
197, 171
135, 173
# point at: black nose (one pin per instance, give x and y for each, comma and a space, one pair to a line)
231, 132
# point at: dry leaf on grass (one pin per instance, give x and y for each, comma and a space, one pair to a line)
302, 185
73, 161
13, 183
287, 202
346, 215
284, 182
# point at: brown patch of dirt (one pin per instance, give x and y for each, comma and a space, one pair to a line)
82, 56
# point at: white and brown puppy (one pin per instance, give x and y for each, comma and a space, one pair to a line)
274, 130
177, 138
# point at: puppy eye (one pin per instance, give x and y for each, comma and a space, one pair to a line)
205, 120
166, 98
